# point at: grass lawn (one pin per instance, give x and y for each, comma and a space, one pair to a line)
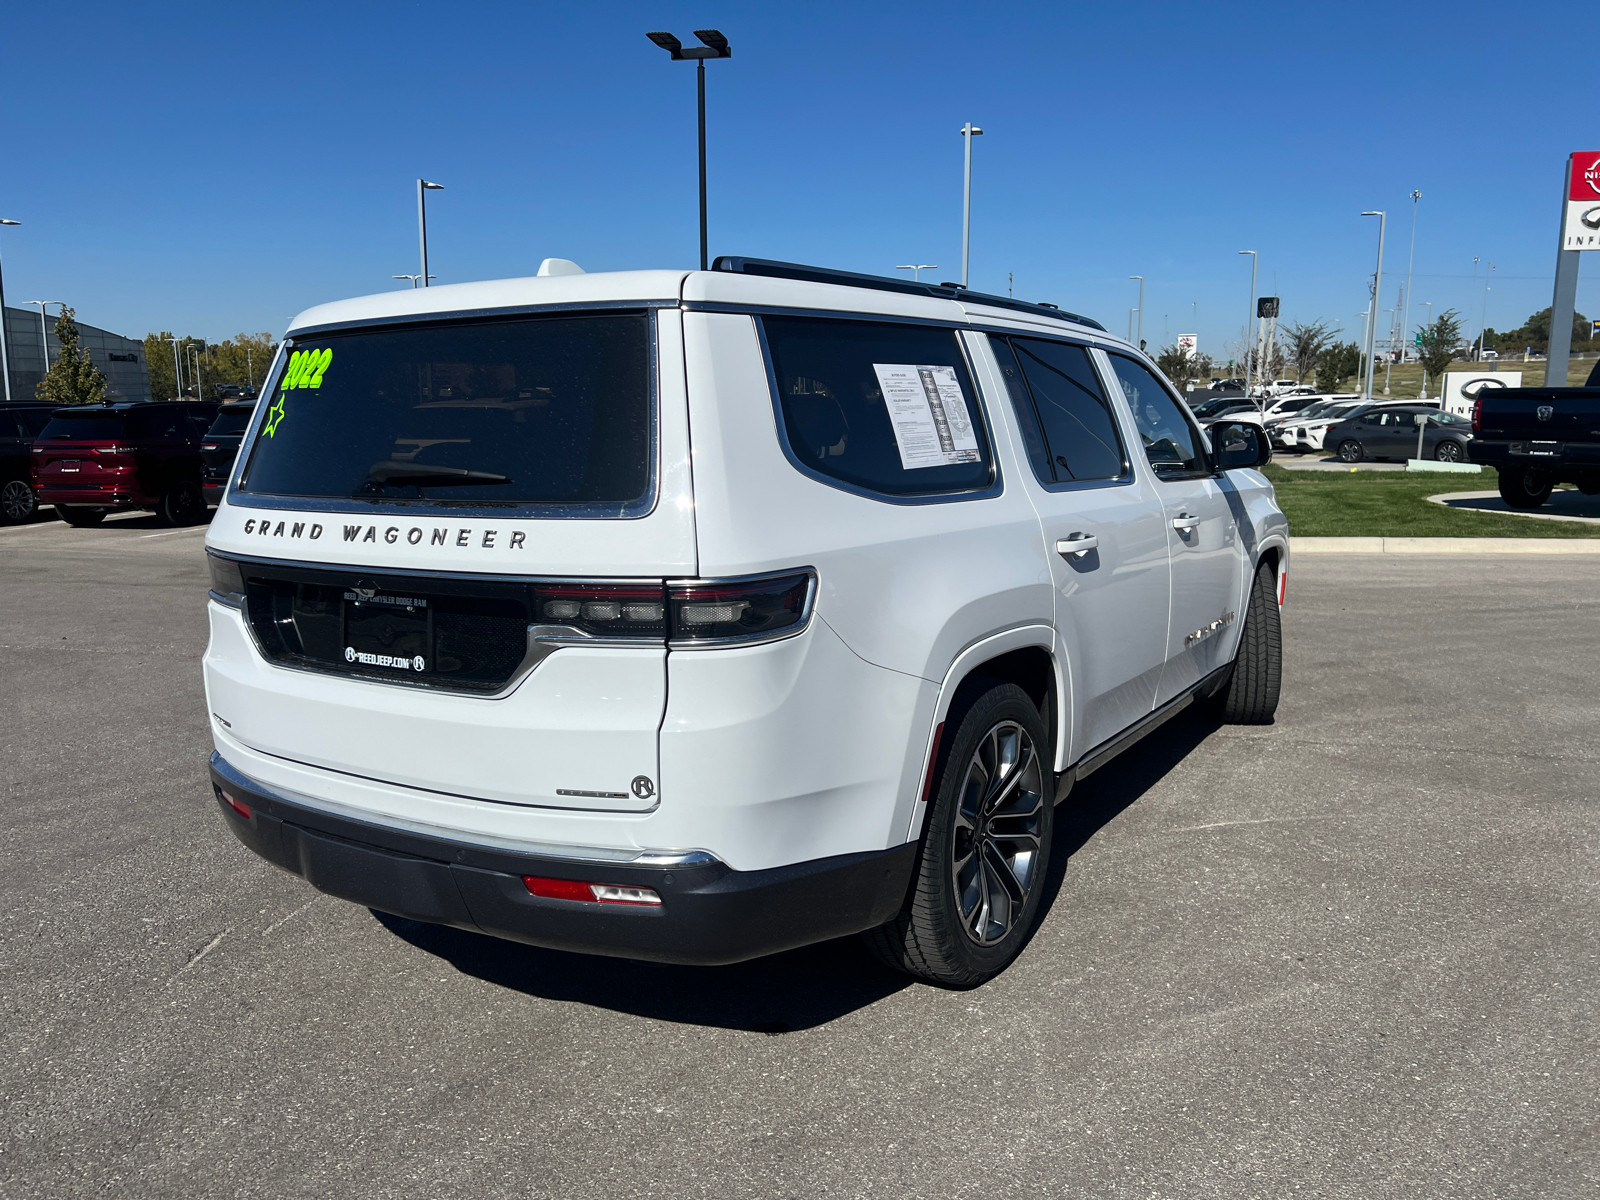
1395, 504
1406, 378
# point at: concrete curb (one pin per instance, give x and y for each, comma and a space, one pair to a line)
1442, 545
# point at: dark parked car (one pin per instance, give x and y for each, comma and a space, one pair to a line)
1221, 406
1390, 431
20, 423
103, 458
221, 447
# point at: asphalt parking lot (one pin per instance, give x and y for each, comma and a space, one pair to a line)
1353, 954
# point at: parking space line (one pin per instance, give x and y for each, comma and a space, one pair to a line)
171, 532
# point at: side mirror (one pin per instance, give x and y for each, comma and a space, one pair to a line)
1240, 444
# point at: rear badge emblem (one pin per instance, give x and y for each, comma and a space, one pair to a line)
642, 787
1545, 411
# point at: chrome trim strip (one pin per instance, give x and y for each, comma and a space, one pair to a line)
600, 855
467, 314
633, 510
231, 599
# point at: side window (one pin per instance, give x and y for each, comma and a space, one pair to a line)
1022, 406
33, 422
1170, 442
1079, 432
885, 407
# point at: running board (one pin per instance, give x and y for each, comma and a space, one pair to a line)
1109, 749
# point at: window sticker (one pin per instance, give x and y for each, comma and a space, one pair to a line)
306, 368
928, 414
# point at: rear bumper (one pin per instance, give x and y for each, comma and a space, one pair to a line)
98, 497
1569, 460
709, 915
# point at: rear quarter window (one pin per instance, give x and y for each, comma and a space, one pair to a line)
883, 407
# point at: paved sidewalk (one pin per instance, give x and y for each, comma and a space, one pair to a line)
1442, 545
1565, 504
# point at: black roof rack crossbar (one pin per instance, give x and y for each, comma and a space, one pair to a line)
882, 283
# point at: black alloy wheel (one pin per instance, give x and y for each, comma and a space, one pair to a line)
182, 505
985, 846
1450, 451
1525, 487
17, 502
1350, 451
80, 515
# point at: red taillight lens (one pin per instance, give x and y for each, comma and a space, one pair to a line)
238, 806
740, 610
113, 449
589, 893
1477, 415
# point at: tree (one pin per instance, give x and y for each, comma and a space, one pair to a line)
72, 378
1306, 345
1178, 365
243, 359
1337, 363
1534, 334
1439, 343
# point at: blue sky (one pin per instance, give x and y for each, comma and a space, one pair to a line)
217, 168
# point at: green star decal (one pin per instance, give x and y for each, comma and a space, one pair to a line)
274, 417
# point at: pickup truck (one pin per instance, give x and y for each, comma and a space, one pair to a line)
1539, 437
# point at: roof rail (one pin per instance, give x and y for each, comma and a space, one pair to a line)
882, 283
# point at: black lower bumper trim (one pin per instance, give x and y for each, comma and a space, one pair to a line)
709, 914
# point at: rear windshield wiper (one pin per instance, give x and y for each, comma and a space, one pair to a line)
420, 475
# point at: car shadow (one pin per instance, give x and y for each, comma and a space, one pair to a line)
132, 522
798, 989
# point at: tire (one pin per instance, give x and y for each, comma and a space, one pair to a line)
1525, 487
1450, 451
1350, 451
182, 505
985, 847
18, 504
80, 515
1251, 694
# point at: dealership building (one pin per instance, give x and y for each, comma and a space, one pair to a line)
120, 359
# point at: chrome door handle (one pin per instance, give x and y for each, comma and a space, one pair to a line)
1078, 544
1183, 522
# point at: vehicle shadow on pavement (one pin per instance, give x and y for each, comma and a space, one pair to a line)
798, 989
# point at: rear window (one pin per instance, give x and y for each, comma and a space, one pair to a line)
537, 410
885, 407
231, 422
87, 427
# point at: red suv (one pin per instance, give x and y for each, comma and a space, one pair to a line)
108, 457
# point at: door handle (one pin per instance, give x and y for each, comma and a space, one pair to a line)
1183, 522
1078, 544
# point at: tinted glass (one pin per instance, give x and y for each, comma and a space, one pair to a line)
34, 420
540, 410
97, 427
1170, 442
231, 422
158, 424
1022, 405
887, 407
1080, 435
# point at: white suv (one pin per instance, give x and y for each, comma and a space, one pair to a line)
693, 616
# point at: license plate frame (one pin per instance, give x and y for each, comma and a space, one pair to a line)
387, 635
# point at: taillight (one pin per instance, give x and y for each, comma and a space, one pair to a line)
740, 610
113, 449
1477, 414
227, 581
590, 893
208, 445
603, 609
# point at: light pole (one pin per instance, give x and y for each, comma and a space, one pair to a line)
1483, 324
1423, 393
1255, 261
968, 132
1388, 357
424, 187
1405, 318
44, 340
5, 358
917, 269
714, 46
1140, 278
1377, 284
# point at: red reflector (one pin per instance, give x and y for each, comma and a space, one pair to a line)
238, 806
1283, 586
589, 893
933, 760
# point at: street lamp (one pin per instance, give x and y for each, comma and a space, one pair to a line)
1483, 325
968, 132
44, 340
1405, 319
714, 46
1140, 278
1255, 261
5, 358
423, 188
918, 268
1377, 285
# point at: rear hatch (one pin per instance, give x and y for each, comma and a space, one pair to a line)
1539, 414
453, 538
86, 449
222, 441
